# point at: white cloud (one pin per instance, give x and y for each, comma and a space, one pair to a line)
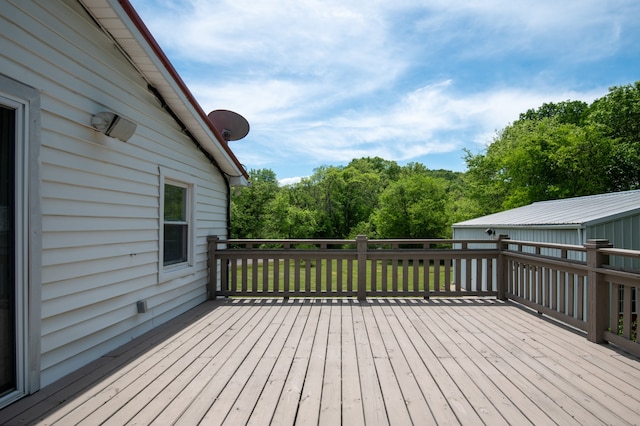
290, 181
328, 81
432, 119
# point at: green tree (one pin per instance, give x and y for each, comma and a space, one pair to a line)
288, 220
344, 197
539, 157
617, 117
567, 112
412, 207
250, 205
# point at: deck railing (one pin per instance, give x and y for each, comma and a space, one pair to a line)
575, 284
545, 278
356, 268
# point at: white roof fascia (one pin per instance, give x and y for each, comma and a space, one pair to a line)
112, 16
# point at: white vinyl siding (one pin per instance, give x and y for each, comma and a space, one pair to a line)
100, 197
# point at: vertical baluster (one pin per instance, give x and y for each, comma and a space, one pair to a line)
350, 275
276, 275
296, 276
394, 275
373, 275
339, 280
383, 276
416, 277
553, 289
319, 270
265, 276
627, 317
245, 273
562, 302
405, 274
307, 276
614, 308
286, 275
329, 274
571, 281
580, 290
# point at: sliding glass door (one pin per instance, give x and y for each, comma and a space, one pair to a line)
8, 376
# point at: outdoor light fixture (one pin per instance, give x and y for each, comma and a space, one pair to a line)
490, 231
111, 124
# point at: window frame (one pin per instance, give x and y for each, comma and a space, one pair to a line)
177, 270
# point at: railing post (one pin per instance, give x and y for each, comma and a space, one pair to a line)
502, 273
597, 291
361, 243
212, 263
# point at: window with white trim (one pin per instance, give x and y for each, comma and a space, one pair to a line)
177, 234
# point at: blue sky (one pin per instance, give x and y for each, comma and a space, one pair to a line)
323, 82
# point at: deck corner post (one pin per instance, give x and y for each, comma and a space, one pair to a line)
361, 243
502, 276
212, 263
597, 291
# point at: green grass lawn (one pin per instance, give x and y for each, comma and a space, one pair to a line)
309, 276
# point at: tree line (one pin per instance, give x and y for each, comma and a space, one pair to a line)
558, 150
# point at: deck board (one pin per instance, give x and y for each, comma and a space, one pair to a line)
340, 361
287, 405
594, 373
264, 409
209, 386
433, 352
538, 382
330, 404
394, 400
372, 398
352, 408
418, 408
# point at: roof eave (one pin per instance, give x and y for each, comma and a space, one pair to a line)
156, 68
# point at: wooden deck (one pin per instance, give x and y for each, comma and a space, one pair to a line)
403, 361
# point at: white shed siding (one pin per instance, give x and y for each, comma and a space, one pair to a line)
526, 233
100, 196
549, 235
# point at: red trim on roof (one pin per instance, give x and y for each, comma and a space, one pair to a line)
133, 15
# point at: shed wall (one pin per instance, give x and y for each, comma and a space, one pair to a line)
100, 196
523, 233
622, 233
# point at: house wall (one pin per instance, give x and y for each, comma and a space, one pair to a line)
100, 196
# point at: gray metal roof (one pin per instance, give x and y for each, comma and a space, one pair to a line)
574, 212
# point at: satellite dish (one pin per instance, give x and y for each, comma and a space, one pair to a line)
231, 125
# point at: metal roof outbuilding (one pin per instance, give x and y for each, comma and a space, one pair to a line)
614, 216
585, 211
